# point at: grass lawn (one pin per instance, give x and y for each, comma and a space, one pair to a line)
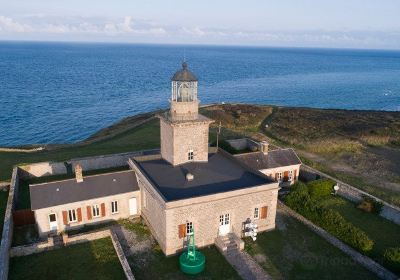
384, 233
292, 251
91, 260
146, 136
148, 262
158, 266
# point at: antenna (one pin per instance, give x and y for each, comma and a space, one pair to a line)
218, 133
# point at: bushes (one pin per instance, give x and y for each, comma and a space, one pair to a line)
368, 204
320, 188
300, 200
392, 257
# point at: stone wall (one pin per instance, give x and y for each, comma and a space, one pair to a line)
87, 163
363, 260
32, 248
204, 212
389, 211
244, 143
7, 233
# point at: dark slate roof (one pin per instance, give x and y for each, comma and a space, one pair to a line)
221, 173
274, 158
69, 191
184, 75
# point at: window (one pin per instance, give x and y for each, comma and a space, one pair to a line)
256, 213
190, 155
96, 210
290, 175
72, 216
280, 176
52, 218
114, 207
189, 228
224, 219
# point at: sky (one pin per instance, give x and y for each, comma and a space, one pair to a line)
371, 24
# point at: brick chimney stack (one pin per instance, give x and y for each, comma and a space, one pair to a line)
78, 173
264, 146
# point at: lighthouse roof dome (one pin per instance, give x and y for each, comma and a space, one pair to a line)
184, 75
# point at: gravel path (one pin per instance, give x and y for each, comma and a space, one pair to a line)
246, 266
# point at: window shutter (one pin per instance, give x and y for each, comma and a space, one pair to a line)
286, 176
79, 213
276, 176
295, 174
89, 212
182, 230
103, 209
65, 217
264, 212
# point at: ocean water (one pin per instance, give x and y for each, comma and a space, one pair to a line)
64, 92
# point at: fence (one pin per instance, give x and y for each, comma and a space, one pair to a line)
23, 217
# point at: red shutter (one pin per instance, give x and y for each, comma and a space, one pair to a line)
264, 212
89, 212
182, 230
295, 174
65, 217
286, 176
79, 213
103, 209
276, 176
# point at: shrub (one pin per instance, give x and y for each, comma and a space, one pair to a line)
368, 204
320, 188
300, 200
392, 257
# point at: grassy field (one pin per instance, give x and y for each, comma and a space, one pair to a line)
292, 251
146, 136
148, 262
384, 233
91, 260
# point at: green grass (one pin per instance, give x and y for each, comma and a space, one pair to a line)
158, 266
146, 136
140, 229
91, 260
384, 233
292, 251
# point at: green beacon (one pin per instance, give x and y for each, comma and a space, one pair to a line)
192, 261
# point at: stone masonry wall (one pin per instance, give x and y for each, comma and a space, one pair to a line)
6, 237
204, 213
190, 136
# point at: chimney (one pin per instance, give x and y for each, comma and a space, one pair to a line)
189, 177
264, 147
78, 174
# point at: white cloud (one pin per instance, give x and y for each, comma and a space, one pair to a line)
129, 29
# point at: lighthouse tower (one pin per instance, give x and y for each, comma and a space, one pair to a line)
184, 132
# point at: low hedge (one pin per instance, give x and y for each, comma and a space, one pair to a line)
392, 257
320, 188
332, 221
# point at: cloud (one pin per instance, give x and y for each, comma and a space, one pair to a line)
130, 29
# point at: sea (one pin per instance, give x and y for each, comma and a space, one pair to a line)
64, 92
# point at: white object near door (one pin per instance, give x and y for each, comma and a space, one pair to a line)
132, 206
224, 224
53, 221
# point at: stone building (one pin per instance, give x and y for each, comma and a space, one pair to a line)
69, 204
281, 165
191, 186
187, 186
